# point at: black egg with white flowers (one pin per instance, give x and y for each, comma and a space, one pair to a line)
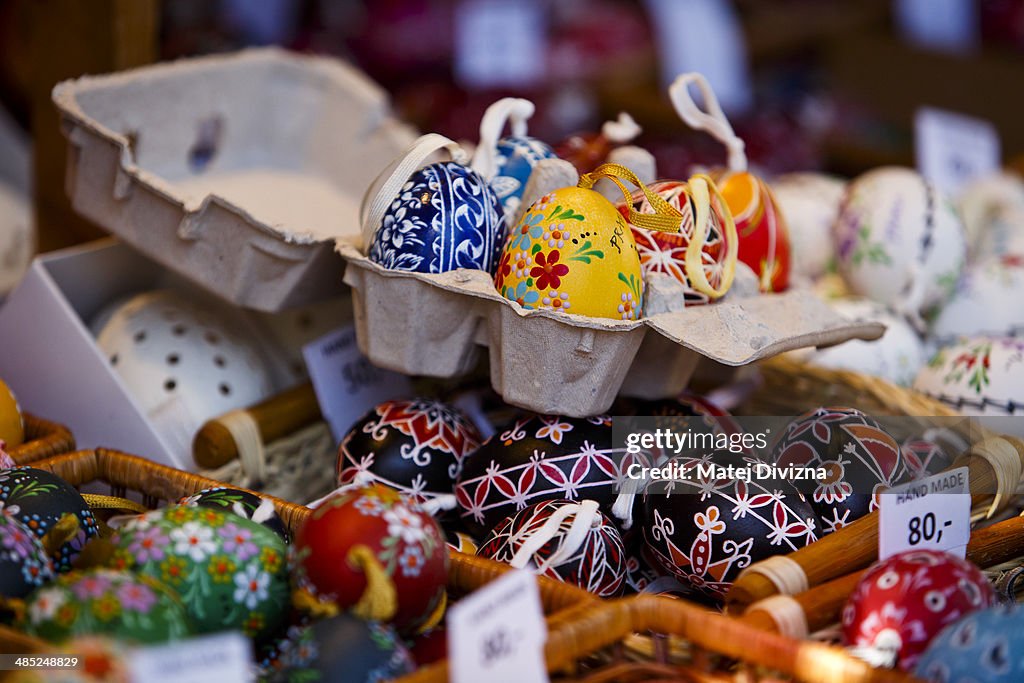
242, 503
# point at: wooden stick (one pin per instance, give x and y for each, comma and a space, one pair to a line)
823, 604
856, 546
276, 417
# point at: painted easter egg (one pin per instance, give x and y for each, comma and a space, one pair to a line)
230, 572
446, 217
573, 252
977, 376
810, 202
983, 647
666, 252
642, 577
703, 529
12, 424
982, 201
6, 461
461, 542
370, 541
858, 456
686, 411
761, 226
539, 458
416, 446
896, 356
242, 503
123, 605
903, 602
564, 540
1004, 237
346, 648
38, 499
516, 157
987, 302
24, 564
899, 241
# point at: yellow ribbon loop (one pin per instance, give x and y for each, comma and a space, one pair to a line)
98, 502
60, 533
436, 616
701, 189
379, 601
665, 218
309, 604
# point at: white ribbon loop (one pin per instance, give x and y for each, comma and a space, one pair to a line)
712, 121
513, 110
585, 514
621, 130
386, 186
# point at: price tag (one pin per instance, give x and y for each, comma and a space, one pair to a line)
933, 513
497, 633
704, 36
953, 149
500, 43
949, 25
347, 385
220, 658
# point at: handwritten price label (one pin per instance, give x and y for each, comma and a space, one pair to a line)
497, 634
219, 658
347, 385
953, 149
931, 513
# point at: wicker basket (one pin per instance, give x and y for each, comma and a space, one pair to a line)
42, 440
132, 476
647, 638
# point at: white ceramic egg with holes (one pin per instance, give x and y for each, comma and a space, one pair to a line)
810, 202
183, 360
989, 301
896, 356
899, 241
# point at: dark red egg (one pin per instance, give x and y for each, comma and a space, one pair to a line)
375, 539
563, 540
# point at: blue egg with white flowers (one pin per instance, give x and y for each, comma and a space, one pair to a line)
984, 647
516, 157
445, 217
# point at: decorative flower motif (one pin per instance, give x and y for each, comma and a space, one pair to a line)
548, 271
106, 608
172, 570
194, 540
253, 624
251, 586
46, 604
833, 488
271, 560
148, 545
221, 568
178, 515
369, 507
212, 517
405, 524
530, 229
237, 540
91, 587
627, 307
504, 269
411, 560
522, 263
15, 539
35, 572
553, 429
524, 296
709, 521
556, 235
556, 300
137, 597
541, 204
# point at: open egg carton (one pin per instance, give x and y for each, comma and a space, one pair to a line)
234, 171
552, 362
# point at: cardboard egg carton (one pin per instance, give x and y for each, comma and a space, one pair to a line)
552, 362
236, 171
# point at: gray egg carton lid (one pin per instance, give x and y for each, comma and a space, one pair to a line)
235, 171
552, 362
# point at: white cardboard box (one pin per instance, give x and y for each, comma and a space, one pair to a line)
50, 358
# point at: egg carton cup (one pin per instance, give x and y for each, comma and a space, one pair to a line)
236, 171
551, 362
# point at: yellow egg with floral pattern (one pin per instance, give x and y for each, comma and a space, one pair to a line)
573, 252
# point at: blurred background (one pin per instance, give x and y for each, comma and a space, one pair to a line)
827, 85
